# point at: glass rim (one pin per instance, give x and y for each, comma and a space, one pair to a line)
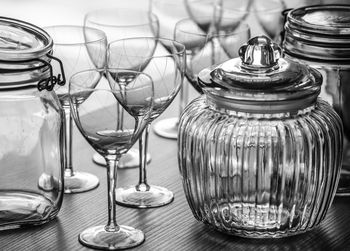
101, 70
242, 27
104, 24
252, 8
169, 54
82, 28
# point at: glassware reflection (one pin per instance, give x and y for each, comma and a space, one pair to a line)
166, 67
79, 48
111, 133
118, 24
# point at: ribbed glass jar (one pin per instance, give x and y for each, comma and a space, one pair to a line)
259, 175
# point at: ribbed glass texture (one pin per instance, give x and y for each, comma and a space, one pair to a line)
260, 175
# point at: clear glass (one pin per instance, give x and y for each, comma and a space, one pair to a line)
206, 49
259, 175
263, 16
169, 13
334, 91
166, 67
79, 48
31, 132
118, 24
111, 133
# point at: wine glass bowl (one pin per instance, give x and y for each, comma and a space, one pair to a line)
79, 48
269, 16
263, 16
111, 133
118, 24
206, 49
207, 14
169, 13
166, 67
123, 23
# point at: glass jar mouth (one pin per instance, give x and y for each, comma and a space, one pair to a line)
220, 99
25, 56
319, 32
22, 41
321, 19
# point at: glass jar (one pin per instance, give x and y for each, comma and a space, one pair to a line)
31, 127
259, 152
319, 36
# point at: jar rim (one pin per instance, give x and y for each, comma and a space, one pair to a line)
22, 41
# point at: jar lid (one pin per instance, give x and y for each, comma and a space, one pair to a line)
261, 80
320, 32
21, 41
25, 55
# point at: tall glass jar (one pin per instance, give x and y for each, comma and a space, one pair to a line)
31, 127
259, 152
319, 36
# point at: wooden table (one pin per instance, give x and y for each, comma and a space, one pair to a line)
171, 227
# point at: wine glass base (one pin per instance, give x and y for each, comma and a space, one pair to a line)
129, 160
98, 237
167, 128
155, 197
80, 182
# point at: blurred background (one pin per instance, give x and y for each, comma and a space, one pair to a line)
53, 12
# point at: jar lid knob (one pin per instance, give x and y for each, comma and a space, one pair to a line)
260, 53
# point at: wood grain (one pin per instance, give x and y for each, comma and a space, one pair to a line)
171, 227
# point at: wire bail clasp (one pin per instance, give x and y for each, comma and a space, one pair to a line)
50, 82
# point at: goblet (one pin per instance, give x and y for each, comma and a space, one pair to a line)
205, 49
207, 13
166, 67
270, 17
79, 48
263, 16
169, 13
118, 24
97, 115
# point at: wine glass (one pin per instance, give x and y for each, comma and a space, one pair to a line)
206, 49
119, 23
169, 12
269, 15
263, 16
166, 67
96, 112
79, 48
207, 13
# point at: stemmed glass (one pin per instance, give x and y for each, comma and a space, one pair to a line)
97, 115
166, 67
169, 12
263, 16
208, 13
79, 48
270, 17
206, 49
118, 24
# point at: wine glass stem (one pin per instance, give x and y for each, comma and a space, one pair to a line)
183, 98
143, 145
68, 142
111, 183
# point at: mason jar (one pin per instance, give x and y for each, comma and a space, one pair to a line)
31, 127
260, 152
319, 36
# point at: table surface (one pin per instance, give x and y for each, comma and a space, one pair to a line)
171, 227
